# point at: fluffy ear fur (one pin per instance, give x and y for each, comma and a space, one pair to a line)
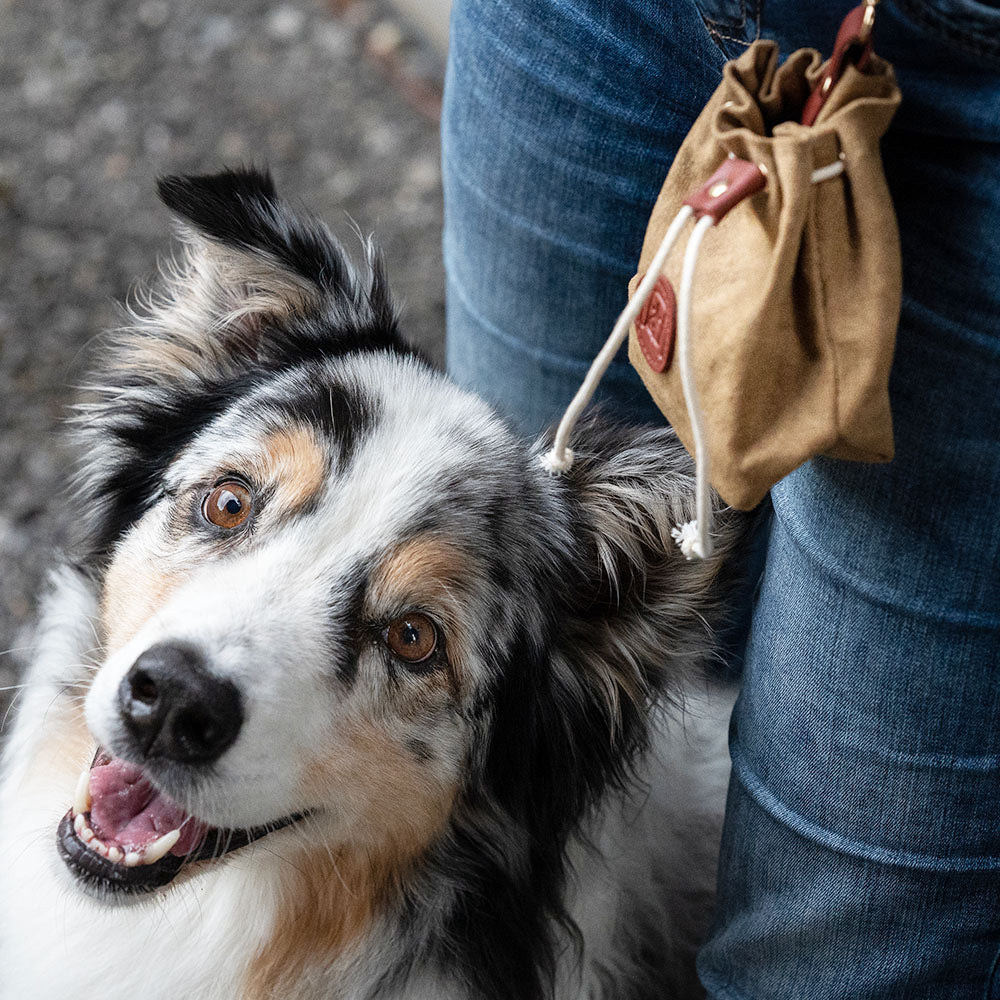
629, 618
255, 283
255, 289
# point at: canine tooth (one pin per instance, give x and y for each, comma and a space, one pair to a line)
79, 823
81, 800
114, 854
158, 848
132, 859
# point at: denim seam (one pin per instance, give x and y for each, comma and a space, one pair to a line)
811, 831
806, 544
732, 30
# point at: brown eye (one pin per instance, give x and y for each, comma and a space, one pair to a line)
228, 505
412, 638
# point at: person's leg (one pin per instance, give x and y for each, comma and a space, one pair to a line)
861, 849
861, 857
561, 118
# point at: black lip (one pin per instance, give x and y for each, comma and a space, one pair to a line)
97, 873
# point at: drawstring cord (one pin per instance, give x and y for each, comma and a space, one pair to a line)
560, 458
693, 537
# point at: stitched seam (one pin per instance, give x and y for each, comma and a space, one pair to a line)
727, 38
724, 30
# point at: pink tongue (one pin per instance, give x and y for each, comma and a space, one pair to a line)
128, 812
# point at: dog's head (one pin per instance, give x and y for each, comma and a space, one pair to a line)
338, 595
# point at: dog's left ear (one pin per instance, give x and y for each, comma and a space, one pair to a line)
627, 619
642, 616
630, 620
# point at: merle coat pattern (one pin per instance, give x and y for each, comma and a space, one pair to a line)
530, 811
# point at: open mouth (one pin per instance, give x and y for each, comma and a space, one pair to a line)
123, 835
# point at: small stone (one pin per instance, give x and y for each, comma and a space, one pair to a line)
333, 39
113, 116
116, 166
59, 147
217, 33
232, 146
285, 23
38, 88
384, 39
424, 174
382, 139
153, 14
157, 139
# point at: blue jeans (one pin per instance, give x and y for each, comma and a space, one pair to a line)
861, 854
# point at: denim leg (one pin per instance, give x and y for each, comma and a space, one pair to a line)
861, 856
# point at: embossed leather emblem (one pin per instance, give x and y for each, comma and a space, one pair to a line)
655, 326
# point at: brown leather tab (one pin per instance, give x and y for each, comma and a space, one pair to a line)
656, 324
853, 45
735, 180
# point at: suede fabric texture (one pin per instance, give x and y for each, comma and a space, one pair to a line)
797, 292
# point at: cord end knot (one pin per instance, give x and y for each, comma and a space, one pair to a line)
555, 464
688, 538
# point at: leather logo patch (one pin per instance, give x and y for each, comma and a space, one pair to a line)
655, 326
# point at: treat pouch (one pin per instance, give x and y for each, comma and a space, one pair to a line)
793, 294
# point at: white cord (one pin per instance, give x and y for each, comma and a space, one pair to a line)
560, 458
834, 169
694, 537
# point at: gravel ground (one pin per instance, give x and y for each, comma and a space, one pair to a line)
97, 98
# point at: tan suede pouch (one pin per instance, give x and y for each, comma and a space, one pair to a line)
797, 291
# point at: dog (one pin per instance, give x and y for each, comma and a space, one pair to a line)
340, 693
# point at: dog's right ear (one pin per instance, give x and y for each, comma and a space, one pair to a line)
255, 290
255, 284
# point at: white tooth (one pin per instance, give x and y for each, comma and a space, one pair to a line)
79, 823
132, 859
86, 835
114, 854
158, 848
81, 800
99, 846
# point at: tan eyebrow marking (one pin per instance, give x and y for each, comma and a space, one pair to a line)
295, 463
426, 567
428, 571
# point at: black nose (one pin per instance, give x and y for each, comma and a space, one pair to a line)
175, 709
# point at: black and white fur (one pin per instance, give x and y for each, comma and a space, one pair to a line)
535, 815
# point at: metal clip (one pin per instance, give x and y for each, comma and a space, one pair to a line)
868, 21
